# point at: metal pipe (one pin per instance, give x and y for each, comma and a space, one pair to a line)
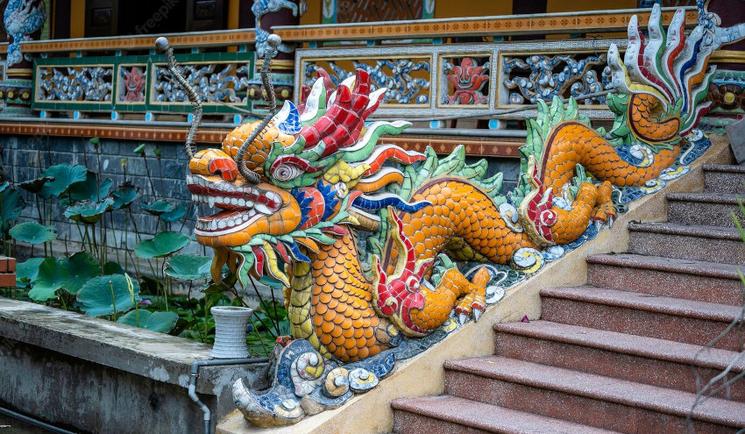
194, 377
33, 421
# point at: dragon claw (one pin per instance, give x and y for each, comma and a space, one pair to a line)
462, 318
477, 314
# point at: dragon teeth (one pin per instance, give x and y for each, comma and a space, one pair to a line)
260, 207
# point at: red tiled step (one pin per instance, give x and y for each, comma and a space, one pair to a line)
587, 399
449, 415
702, 243
641, 359
683, 278
688, 321
721, 178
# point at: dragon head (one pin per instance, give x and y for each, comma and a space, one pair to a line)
278, 188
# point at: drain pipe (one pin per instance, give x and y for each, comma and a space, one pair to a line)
197, 364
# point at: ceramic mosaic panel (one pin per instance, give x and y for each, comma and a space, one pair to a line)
465, 80
407, 79
75, 84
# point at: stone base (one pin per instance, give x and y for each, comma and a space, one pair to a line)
93, 375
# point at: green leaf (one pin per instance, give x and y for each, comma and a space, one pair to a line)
95, 141
176, 214
162, 244
27, 271
124, 195
159, 207
90, 189
81, 267
35, 185
106, 295
51, 276
162, 322
64, 176
140, 149
112, 268
11, 205
88, 211
32, 233
68, 273
188, 267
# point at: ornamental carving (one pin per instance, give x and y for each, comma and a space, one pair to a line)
215, 82
539, 76
75, 84
407, 80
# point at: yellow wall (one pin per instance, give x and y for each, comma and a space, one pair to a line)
313, 14
472, 8
77, 18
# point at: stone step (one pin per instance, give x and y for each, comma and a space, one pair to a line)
712, 209
703, 243
687, 321
682, 278
450, 414
587, 399
657, 362
722, 178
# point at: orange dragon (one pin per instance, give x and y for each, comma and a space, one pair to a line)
296, 192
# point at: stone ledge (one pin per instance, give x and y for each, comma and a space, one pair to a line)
156, 356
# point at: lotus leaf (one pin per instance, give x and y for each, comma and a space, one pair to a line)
27, 271
11, 205
164, 243
189, 267
176, 214
159, 207
35, 185
162, 322
124, 195
90, 189
87, 211
106, 295
32, 233
64, 176
68, 273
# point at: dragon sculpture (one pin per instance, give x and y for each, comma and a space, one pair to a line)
363, 238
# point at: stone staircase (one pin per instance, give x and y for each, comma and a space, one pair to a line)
619, 353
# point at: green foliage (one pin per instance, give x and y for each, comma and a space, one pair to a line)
162, 322
11, 206
63, 273
91, 189
109, 295
64, 176
89, 212
32, 233
159, 207
27, 271
164, 243
124, 195
188, 267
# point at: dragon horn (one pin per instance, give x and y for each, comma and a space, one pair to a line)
266, 79
162, 45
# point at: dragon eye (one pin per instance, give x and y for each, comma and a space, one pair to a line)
286, 172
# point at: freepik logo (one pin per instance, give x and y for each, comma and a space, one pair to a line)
159, 15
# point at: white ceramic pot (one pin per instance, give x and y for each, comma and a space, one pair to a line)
230, 332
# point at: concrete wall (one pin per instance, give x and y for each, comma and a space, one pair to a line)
93, 375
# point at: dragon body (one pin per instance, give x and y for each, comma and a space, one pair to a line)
298, 196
